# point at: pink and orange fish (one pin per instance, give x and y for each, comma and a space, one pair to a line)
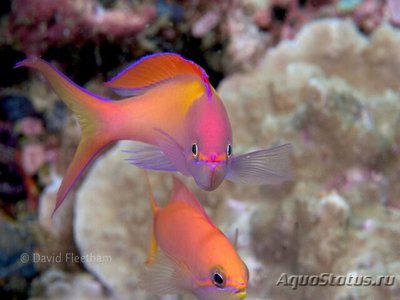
189, 254
172, 108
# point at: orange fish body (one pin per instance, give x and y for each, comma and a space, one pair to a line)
198, 256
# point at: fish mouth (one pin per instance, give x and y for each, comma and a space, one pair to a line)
241, 294
210, 176
214, 181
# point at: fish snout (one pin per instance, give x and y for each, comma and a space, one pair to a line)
210, 175
217, 174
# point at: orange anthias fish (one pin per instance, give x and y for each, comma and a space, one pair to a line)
189, 254
170, 106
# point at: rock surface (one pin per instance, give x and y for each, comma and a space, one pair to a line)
335, 96
55, 284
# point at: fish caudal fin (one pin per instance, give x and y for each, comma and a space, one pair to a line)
88, 149
151, 254
92, 115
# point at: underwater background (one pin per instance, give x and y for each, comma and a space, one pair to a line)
323, 75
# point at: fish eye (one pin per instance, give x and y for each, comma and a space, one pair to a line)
195, 150
217, 279
229, 150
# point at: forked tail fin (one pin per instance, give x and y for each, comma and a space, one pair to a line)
92, 115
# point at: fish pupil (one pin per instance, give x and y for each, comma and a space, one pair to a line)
195, 150
218, 280
229, 150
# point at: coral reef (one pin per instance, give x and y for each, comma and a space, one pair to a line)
39, 24
341, 213
122, 222
343, 122
55, 284
17, 242
284, 19
93, 37
327, 88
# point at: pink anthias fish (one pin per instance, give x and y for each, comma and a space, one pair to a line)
170, 106
189, 254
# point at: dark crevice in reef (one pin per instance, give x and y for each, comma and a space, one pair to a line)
84, 62
5, 7
279, 13
193, 51
9, 75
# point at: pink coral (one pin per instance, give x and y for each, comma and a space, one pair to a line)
31, 127
369, 15
246, 42
394, 12
206, 23
283, 19
33, 157
36, 24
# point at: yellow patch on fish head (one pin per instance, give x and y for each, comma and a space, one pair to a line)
194, 89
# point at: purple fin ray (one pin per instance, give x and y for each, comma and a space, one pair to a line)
150, 157
266, 166
172, 150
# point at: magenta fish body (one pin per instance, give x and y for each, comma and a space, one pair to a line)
170, 106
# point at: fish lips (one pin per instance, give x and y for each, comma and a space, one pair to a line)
209, 175
239, 295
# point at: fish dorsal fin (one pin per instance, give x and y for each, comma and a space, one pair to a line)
182, 194
153, 69
236, 239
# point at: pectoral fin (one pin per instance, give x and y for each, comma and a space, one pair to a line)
172, 150
267, 166
151, 158
165, 276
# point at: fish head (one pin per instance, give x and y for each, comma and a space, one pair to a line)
208, 142
223, 284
